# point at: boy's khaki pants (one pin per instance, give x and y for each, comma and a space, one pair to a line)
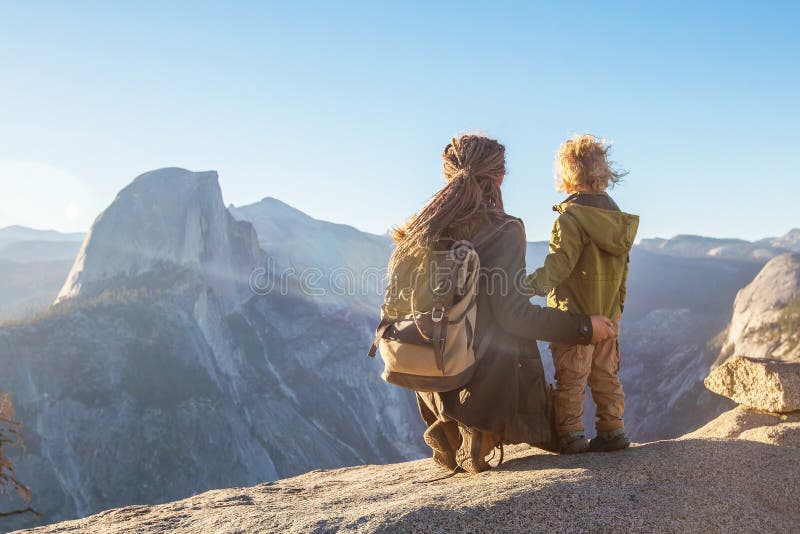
597, 365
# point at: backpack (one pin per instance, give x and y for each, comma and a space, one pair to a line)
427, 324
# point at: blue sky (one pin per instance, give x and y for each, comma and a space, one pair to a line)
342, 109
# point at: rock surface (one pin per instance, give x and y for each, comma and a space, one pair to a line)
761, 384
706, 481
775, 429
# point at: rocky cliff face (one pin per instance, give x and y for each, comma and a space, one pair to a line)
766, 314
167, 219
159, 374
736, 474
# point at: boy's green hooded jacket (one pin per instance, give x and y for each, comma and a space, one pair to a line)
587, 267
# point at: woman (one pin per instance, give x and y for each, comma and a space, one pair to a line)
508, 399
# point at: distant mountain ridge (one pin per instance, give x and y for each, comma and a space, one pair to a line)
350, 263
23, 233
789, 241
696, 246
24, 245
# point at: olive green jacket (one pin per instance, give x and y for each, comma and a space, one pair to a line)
587, 267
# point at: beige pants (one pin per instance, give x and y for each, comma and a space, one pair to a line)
597, 365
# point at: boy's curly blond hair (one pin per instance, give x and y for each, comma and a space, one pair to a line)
583, 161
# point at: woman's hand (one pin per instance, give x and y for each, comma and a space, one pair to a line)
602, 328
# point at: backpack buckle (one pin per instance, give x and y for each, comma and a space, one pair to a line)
434, 317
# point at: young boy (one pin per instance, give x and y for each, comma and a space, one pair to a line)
585, 272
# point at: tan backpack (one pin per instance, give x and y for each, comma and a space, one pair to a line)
427, 325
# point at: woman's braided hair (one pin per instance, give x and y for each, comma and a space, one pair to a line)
474, 168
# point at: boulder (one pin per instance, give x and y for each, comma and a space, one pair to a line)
761, 384
766, 314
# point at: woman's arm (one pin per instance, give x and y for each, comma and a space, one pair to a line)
511, 306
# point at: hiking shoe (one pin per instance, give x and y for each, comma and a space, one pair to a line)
573, 443
443, 439
614, 440
471, 454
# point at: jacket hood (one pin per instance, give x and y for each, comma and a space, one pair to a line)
612, 231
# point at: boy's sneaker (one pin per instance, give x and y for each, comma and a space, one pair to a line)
573, 443
609, 441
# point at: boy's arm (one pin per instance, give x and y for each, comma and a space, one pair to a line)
566, 244
623, 289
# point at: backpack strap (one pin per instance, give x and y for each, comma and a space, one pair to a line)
379, 332
439, 337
